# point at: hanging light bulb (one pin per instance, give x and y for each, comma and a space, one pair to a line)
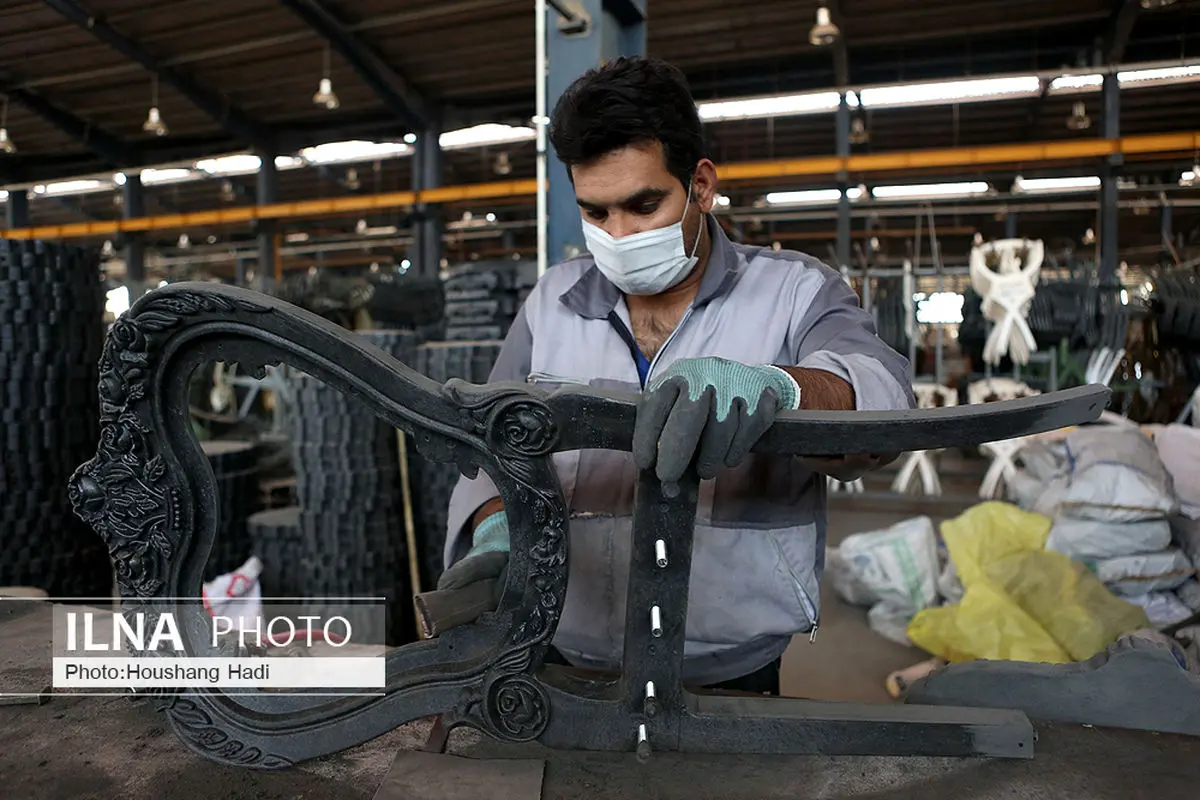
1089, 236
228, 194
502, 165
1190, 177
6, 144
1079, 119
154, 121
352, 182
858, 131
325, 95
184, 241
824, 33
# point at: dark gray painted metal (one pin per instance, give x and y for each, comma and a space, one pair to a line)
1010, 225
841, 53
487, 674
1139, 682
268, 192
1109, 181
393, 90
429, 223
117, 153
1166, 225
1117, 31
133, 196
16, 209
842, 133
218, 108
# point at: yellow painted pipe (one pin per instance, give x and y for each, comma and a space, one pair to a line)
1027, 155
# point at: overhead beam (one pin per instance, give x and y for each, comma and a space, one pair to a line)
115, 152
216, 106
841, 53
388, 85
1117, 31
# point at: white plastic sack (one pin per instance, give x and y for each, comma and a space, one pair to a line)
1149, 572
1090, 540
1179, 448
890, 622
1162, 608
1186, 532
237, 595
845, 582
899, 564
1115, 475
1188, 593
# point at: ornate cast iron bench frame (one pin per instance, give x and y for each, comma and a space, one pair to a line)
150, 494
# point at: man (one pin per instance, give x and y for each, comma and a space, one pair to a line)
720, 337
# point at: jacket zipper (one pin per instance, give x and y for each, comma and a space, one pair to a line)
809, 608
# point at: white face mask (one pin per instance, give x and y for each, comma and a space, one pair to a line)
644, 263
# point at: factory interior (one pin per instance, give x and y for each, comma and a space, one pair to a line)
268, 271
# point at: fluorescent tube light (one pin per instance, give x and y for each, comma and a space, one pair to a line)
243, 164
73, 187
485, 134
351, 151
172, 175
1033, 185
1162, 75
773, 106
964, 91
927, 190
811, 196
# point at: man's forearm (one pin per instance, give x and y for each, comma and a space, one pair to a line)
821, 390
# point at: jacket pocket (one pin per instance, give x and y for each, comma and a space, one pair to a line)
748, 584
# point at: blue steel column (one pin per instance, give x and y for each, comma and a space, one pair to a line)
428, 222
133, 204
1108, 186
1010, 225
268, 192
16, 212
843, 212
616, 28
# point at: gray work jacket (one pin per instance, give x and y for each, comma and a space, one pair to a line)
759, 542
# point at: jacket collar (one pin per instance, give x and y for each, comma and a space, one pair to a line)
594, 296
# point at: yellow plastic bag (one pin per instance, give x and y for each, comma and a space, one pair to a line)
1020, 603
1067, 600
988, 532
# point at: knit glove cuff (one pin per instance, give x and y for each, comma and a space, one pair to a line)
491, 535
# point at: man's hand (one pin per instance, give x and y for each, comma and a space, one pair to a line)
709, 409
487, 558
847, 468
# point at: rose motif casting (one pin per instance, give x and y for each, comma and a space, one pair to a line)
518, 708
525, 428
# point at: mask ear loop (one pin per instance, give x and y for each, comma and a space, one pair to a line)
700, 229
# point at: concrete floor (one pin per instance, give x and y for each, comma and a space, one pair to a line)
101, 748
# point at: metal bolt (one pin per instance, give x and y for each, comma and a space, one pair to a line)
655, 622
651, 700
643, 745
660, 553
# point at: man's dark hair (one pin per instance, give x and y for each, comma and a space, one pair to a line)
629, 101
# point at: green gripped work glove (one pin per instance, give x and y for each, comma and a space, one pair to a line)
710, 409
487, 558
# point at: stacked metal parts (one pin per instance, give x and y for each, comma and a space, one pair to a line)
51, 336
280, 546
483, 297
352, 540
433, 481
235, 467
